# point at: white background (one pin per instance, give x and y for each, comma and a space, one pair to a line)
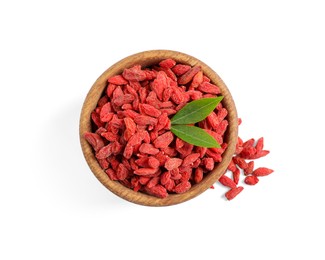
271, 56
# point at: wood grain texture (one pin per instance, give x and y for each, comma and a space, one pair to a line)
148, 58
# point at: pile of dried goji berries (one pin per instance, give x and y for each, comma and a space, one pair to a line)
131, 133
243, 161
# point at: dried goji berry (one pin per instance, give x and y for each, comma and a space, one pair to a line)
118, 97
208, 163
148, 149
158, 191
232, 166
122, 172
173, 163
149, 110
153, 182
259, 145
236, 175
197, 80
180, 69
164, 140
94, 140
145, 120
118, 80
251, 180
262, 171
134, 74
198, 175
226, 181
167, 63
110, 136
103, 163
145, 171
182, 187
257, 155
240, 162
165, 177
104, 152
111, 174
110, 89
96, 119
188, 160
207, 87
231, 194
188, 76
249, 169
160, 84
153, 162
171, 152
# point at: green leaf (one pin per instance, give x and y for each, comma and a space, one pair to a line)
195, 111
194, 135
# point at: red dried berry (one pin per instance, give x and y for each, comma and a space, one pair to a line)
145, 120
153, 182
182, 187
145, 171
94, 140
240, 162
167, 63
180, 69
249, 169
232, 166
188, 76
146, 148
197, 80
164, 140
258, 155
259, 145
251, 180
153, 162
165, 178
118, 80
173, 163
149, 110
207, 87
208, 163
158, 191
236, 175
226, 181
104, 152
188, 160
122, 172
111, 174
231, 194
262, 171
198, 175
134, 74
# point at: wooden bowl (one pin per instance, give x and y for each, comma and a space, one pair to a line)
148, 58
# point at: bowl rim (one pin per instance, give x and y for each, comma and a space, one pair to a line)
147, 58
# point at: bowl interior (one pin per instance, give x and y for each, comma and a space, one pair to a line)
145, 59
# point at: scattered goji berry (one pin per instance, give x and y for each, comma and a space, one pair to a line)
231, 194
251, 180
226, 181
262, 171
249, 169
